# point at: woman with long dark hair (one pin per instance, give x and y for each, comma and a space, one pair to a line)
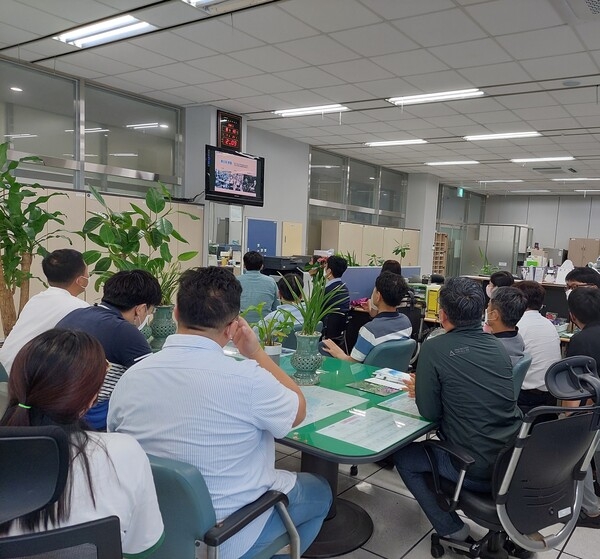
54, 380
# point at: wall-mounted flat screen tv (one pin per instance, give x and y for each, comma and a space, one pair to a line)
234, 177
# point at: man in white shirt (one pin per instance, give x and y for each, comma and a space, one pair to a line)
67, 275
193, 403
542, 342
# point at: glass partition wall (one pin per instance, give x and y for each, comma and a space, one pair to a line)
87, 134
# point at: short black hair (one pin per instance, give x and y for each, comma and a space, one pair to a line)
290, 287
502, 279
584, 304
584, 274
462, 299
63, 266
392, 288
129, 288
253, 260
392, 266
510, 303
338, 265
208, 298
534, 292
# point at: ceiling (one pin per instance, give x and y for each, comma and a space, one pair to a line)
538, 62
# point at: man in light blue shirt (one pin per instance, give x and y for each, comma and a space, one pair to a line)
193, 403
256, 287
290, 292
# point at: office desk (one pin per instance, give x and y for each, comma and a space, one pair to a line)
348, 526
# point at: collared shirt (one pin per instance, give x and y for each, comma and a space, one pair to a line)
542, 342
384, 327
192, 403
41, 313
296, 314
513, 344
258, 288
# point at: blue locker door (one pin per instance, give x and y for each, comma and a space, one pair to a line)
262, 236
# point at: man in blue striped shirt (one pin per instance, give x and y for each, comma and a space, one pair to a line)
387, 325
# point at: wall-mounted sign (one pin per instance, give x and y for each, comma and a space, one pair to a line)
229, 130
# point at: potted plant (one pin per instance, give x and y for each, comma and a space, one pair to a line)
25, 226
122, 236
272, 329
401, 249
313, 306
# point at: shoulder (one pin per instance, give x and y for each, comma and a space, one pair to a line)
119, 447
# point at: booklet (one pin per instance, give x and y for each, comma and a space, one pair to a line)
383, 382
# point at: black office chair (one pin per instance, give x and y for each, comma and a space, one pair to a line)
538, 481
33, 472
334, 328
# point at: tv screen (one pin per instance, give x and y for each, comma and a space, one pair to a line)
234, 177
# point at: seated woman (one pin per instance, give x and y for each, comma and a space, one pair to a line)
54, 380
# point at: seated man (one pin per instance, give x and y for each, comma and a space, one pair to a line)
542, 343
499, 279
505, 309
256, 287
388, 325
66, 273
334, 323
290, 292
127, 303
582, 276
464, 383
192, 403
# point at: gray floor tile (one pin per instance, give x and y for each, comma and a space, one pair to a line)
284, 449
389, 479
359, 554
584, 543
364, 470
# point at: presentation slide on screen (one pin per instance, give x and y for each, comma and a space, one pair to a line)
235, 174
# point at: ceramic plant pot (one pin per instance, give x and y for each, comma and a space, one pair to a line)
307, 359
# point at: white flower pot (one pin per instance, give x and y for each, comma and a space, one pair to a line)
274, 352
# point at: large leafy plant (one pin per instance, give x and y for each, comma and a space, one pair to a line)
273, 329
137, 238
24, 230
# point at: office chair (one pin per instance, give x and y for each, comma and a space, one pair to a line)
189, 516
538, 481
334, 328
394, 354
520, 369
33, 472
3, 374
3, 397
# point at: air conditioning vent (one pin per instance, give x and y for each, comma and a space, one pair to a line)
550, 170
582, 10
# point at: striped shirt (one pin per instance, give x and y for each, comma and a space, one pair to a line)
384, 327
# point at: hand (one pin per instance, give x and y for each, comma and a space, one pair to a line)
333, 349
365, 305
410, 385
245, 339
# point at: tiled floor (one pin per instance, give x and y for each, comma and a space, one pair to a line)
401, 529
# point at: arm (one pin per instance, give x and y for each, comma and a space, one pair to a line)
276, 302
336, 351
247, 343
427, 387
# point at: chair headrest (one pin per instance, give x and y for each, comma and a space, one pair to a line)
574, 378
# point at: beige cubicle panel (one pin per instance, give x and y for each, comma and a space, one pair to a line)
372, 243
291, 238
392, 237
412, 238
341, 236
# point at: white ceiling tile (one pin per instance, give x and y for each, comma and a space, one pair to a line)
584, 109
541, 43
466, 130
93, 62
185, 73
554, 124
43, 48
224, 66
452, 120
495, 117
78, 12
341, 93
309, 78
173, 13
10, 35
353, 117
342, 129
121, 83
218, 36
194, 93
410, 63
264, 102
506, 72
238, 107
167, 97
357, 71
440, 28
473, 106
375, 127
331, 15
411, 124
392, 9
318, 50
510, 16
67, 68
471, 53
125, 4
429, 110
526, 100
267, 83
172, 45
268, 59
34, 20
538, 113
303, 98
596, 56
137, 56
439, 81
272, 22
150, 80
560, 66
588, 32
393, 87
22, 54
374, 40
230, 90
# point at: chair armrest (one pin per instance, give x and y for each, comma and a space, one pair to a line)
242, 517
465, 460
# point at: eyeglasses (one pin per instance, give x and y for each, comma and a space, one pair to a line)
573, 285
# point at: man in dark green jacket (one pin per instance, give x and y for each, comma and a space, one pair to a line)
463, 383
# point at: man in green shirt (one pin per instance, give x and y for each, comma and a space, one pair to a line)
464, 383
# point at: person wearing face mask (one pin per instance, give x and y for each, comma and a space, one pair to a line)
581, 276
67, 277
128, 301
499, 279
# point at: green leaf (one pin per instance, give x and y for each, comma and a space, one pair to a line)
165, 253
155, 200
164, 226
96, 194
92, 223
97, 239
177, 236
103, 265
107, 234
90, 256
185, 256
141, 212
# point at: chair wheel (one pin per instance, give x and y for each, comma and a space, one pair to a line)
437, 550
354, 470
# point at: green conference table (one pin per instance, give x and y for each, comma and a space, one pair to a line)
360, 430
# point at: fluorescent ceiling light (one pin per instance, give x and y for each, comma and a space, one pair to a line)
586, 191
22, 135
17, 89
542, 159
322, 109
395, 143
503, 136
105, 31
325, 166
123, 154
575, 179
90, 130
500, 180
528, 191
142, 125
467, 162
436, 97
163, 125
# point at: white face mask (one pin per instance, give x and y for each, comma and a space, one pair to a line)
489, 289
141, 326
568, 292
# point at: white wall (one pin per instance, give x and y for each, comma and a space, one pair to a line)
554, 219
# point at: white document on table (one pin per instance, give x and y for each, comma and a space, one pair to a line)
323, 402
403, 404
374, 429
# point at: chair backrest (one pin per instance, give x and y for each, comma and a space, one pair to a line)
34, 462
394, 354
520, 369
3, 397
291, 341
3, 374
185, 505
334, 325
